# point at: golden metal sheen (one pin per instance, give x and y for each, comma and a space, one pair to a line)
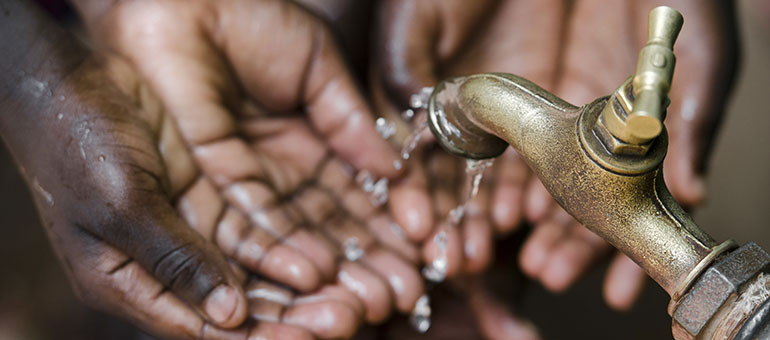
642, 102
617, 191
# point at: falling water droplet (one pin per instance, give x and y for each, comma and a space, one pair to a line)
352, 249
380, 193
378, 188
398, 165
385, 128
437, 269
420, 100
421, 314
366, 180
411, 142
475, 168
408, 114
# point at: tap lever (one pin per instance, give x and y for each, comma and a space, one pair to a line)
654, 71
644, 98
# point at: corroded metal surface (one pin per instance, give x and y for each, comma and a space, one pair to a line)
717, 290
717, 284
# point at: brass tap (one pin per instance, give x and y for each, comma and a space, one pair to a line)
602, 162
638, 106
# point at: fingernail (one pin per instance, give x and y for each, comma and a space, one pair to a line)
221, 303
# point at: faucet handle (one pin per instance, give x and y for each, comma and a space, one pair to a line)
652, 79
634, 115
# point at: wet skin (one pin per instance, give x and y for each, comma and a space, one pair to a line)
143, 193
559, 48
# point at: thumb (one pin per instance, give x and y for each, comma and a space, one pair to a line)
149, 231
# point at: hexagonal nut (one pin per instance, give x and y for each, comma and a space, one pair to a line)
615, 145
710, 292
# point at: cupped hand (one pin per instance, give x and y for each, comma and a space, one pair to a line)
271, 187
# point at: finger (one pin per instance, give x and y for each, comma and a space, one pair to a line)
327, 319
452, 252
201, 206
538, 201
301, 67
477, 231
177, 256
624, 283
369, 288
702, 82
272, 330
410, 203
539, 245
391, 235
571, 258
477, 244
507, 201
499, 47
680, 171
315, 249
267, 305
404, 280
122, 287
334, 292
324, 317
495, 320
258, 250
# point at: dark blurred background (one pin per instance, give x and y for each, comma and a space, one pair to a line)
36, 302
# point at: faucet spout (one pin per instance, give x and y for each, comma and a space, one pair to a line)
478, 116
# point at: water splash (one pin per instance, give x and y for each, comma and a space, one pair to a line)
377, 188
475, 168
421, 314
352, 249
420, 100
437, 269
411, 142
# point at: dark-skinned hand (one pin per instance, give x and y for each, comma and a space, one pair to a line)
132, 150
